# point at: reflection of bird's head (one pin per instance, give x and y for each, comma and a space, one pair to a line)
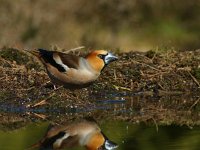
99, 58
99, 141
95, 141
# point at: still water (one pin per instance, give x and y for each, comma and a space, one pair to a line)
134, 123
128, 136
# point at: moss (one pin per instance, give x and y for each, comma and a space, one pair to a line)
20, 57
13, 54
196, 73
5, 95
150, 54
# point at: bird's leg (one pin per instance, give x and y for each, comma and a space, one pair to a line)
57, 87
49, 85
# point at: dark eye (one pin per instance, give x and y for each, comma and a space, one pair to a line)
101, 56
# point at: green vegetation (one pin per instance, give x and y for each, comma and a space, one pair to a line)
12, 54
126, 25
4, 95
196, 73
18, 57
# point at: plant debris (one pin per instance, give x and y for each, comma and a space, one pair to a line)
160, 87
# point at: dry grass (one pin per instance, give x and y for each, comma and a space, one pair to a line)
159, 87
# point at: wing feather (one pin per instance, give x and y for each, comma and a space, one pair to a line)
59, 60
71, 61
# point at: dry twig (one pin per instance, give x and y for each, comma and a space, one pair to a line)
194, 79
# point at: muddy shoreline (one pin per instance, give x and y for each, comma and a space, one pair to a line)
154, 87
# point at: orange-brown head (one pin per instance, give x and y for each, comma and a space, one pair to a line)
98, 59
99, 141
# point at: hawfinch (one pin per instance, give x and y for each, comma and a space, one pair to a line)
85, 133
74, 71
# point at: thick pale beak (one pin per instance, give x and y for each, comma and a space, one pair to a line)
110, 58
109, 145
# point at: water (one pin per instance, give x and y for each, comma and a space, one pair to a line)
133, 121
129, 136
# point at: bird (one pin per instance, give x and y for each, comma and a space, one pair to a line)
72, 71
85, 133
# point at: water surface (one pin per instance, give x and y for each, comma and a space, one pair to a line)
129, 136
133, 121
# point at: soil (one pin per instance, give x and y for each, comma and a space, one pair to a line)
160, 87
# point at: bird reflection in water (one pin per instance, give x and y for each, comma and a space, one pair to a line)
85, 133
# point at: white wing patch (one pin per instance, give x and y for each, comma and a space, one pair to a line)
59, 61
58, 142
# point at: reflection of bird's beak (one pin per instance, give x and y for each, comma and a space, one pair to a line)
110, 58
109, 145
